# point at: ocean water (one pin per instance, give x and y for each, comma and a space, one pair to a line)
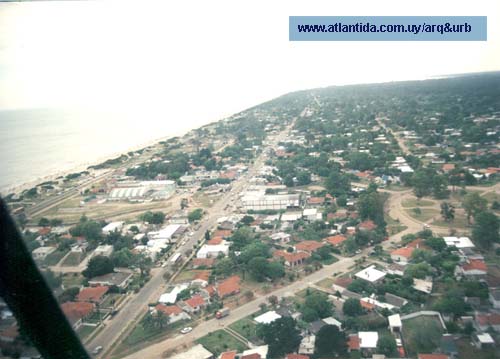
37, 143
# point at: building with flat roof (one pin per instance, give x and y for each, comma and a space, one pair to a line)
459, 242
41, 253
196, 352
370, 274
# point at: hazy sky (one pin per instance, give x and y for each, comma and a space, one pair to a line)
210, 58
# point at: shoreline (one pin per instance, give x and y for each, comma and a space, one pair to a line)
18, 188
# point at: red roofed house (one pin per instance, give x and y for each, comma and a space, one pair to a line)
485, 321
474, 268
76, 312
433, 356
292, 259
402, 255
173, 312
366, 305
309, 246
201, 278
229, 286
224, 233
353, 342
193, 304
203, 262
251, 356
367, 225
215, 240
447, 167
336, 240
315, 201
92, 294
44, 231
296, 356
228, 355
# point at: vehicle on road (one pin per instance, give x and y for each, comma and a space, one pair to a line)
97, 349
186, 330
224, 312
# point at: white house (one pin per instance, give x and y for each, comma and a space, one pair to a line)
307, 344
213, 251
459, 242
371, 274
368, 340
267, 317
103, 250
113, 226
395, 324
41, 253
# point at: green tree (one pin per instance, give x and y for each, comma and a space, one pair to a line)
473, 204
371, 206
224, 267
153, 217
422, 182
485, 230
352, 307
97, 266
195, 215
330, 342
43, 222
338, 183
316, 306
447, 211
386, 345
281, 335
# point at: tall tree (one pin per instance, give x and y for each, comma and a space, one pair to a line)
330, 342
485, 230
473, 203
386, 345
447, 211
281, 335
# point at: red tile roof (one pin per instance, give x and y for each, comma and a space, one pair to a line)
44, 231
448, 167
309, 246
475, 264
366, 305
229, 286
169, 309
225, 233
77, 310
292, 257
210, 290
215, 241
488, 319
316, 200
202, 274
368, 225
403, 252
228, 355
92, 294
207, 262
195, 301
336, 240
251, 356
353, 342
433, 356
296, 356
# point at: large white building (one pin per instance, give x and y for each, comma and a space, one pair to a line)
257, 200
136, 190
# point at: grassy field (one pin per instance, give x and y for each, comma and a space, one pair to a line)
73, 259
54, 257
460, 221
72, 280
412, 335
84, 331
413, 202
221, 341
424, 215
246, 327
326, 283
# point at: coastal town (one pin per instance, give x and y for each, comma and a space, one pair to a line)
347, 222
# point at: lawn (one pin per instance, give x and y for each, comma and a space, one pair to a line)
185, 276
246, 327
72, 280
73, 259
492, 196
221, 341
424, 215
326, 283
413, 202
422, 334
54, 257
460, 221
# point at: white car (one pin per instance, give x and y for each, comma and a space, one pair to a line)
186, 330
97, 350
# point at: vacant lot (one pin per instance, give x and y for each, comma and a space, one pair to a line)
247, 328
221, 341
413, 202
424, 215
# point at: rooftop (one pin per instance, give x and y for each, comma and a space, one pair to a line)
267, 317
92, 294
368, 340
370, 274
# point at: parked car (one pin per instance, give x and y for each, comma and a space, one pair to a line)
97, 349
186, 330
